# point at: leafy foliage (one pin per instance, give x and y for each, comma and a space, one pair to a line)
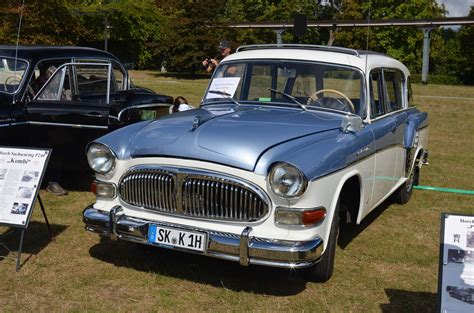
402, 43
180, 34
466, 42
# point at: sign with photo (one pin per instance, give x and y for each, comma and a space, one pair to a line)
456, 269
21, 173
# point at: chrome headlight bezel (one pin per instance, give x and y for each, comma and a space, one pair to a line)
296, 182
101, 158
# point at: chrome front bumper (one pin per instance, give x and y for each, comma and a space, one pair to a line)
243, 248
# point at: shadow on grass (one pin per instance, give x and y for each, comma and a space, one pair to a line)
409, 301
351, 231
35, 240
200, 269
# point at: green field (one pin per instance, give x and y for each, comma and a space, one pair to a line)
387, 264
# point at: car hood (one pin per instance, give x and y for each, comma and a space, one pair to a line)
233, 136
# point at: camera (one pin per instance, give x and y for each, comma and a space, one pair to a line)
209, 63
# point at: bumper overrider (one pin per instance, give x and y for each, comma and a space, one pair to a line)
243, 248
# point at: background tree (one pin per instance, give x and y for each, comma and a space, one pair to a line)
44, 22
136, 28
402, 43
466, 42
180, 34
192, 36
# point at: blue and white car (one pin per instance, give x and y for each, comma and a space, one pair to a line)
290, 143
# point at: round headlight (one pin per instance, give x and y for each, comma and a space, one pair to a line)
287, 181
101, 159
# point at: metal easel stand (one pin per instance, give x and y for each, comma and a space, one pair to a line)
22, 236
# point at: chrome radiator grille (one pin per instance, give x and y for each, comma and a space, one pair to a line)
192, 193
208, 197
150, 189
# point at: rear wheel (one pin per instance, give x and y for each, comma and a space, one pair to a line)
323, 270
403, 194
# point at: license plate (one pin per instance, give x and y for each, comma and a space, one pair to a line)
177, 237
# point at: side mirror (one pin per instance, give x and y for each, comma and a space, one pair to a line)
351, 123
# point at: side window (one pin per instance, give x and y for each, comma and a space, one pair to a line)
92, 80
119, 77
43, 71
394, 83
58, 87
376, 96
83, 82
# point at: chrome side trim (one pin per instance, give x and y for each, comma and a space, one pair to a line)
68, 125
228, 246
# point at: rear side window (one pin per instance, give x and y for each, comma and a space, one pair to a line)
410, 94
376, 95
92, 80
394, 83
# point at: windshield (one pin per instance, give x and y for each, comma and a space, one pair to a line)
11, 74
311, 84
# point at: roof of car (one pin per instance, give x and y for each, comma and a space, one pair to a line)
361, 59
36, 52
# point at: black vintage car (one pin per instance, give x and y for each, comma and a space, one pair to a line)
463, 294
66, 96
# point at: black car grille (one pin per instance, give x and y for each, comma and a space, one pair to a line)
191, 193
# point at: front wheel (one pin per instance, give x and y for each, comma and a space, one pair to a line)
323, 270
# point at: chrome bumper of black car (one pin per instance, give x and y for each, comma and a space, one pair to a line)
243, 248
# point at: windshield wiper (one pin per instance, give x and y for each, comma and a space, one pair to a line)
225, 94
289, 97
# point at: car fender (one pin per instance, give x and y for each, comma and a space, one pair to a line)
413, 144
335, 198
415, 122
320, 154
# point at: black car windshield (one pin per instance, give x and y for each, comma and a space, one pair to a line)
328, 86
11, 74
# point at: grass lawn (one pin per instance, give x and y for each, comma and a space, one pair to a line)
388, 264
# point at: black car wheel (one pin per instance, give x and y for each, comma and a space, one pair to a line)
403, 194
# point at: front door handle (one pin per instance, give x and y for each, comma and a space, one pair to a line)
94, 114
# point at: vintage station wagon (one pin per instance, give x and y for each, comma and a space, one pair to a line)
290, 143
78, 92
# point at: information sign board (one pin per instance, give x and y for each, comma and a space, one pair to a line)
456, 268
21, 173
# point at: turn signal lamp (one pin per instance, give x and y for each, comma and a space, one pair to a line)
299, 217
103, 190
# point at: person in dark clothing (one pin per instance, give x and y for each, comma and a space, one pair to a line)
209, 65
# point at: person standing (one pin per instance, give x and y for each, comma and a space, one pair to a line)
209, 64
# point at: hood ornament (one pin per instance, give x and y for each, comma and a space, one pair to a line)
196, 122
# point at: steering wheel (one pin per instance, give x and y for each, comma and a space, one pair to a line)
10, 81
314, 98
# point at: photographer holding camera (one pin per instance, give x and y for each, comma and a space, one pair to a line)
209, 64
